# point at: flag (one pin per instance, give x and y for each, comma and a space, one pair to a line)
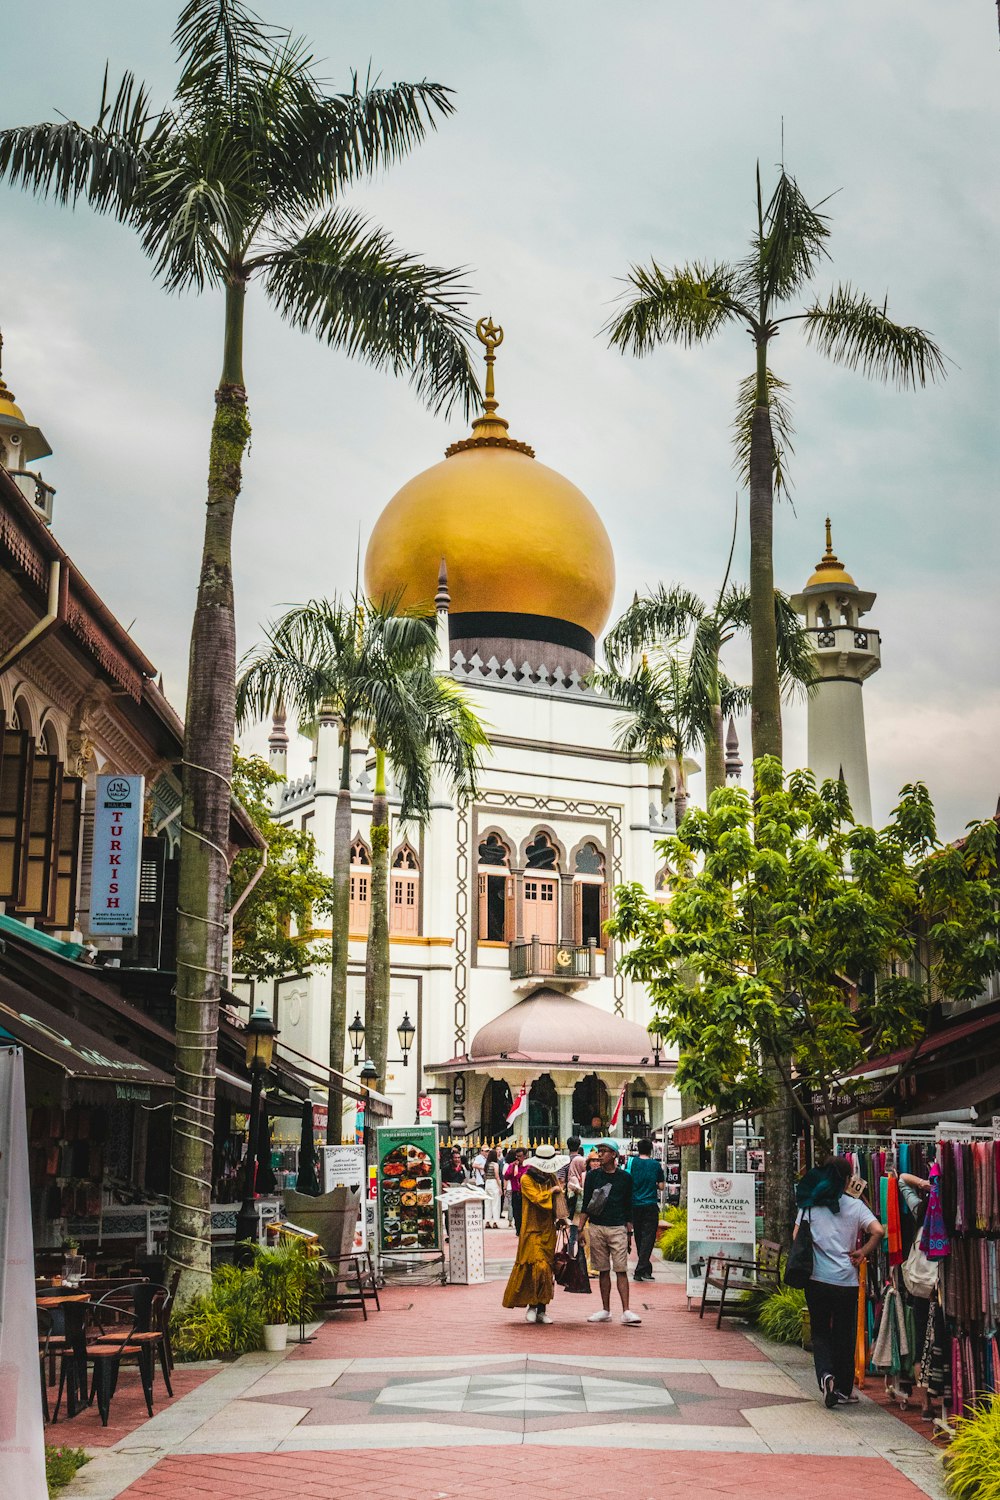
520, 1104
618, 1107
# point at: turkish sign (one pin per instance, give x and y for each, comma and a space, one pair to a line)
22, 1451
721, 1221
408, 1186
114, 869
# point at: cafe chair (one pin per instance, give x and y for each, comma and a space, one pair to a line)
148, 1306
351, 1283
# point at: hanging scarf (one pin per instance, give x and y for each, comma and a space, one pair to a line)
895, 1235
934, 1241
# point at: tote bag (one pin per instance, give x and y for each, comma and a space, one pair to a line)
799, 1263
920, 1275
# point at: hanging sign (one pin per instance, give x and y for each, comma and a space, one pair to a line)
114, 868
425, 1106
22, 1443
408, 1188
721, 1221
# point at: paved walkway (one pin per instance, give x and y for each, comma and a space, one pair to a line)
445, 1394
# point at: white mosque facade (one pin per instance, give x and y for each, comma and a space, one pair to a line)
497, 903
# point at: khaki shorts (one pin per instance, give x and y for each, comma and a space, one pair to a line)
608, 1247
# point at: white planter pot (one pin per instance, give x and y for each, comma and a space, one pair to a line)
275, 1337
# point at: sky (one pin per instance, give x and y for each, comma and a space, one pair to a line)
586, 138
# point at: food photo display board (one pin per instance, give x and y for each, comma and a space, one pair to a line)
409, 1182
721, 1221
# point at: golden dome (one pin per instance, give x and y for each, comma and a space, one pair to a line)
830, 569
517, 538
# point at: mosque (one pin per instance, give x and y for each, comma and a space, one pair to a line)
499, 963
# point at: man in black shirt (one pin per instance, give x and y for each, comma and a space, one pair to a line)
607, 1209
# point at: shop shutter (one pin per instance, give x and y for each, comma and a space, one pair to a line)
66, 864
44, 797
15, 788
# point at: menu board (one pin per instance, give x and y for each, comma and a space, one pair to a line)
408, 1188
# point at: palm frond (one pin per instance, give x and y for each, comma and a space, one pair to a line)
793, 244
220, 44
781, 430
346, 282
684, 306
734, 697
194, 207
104, 164
796, 664
652, 620
854, 331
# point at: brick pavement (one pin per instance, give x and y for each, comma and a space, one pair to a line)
128, 1409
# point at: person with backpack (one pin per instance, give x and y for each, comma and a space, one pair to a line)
607, 1216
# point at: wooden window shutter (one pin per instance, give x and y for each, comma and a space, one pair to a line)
604, 941
66, 864
578, 912
509, 911
15, 789
482, 927
45, 793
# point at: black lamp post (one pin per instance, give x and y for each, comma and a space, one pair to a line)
656, 1042
261, 1032
356, 1032
406, 1031
369, 1078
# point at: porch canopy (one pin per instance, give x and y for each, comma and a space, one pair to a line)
552, 1030
70, 1045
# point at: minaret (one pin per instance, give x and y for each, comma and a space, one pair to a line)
442, 604
844, 655
277, 742
20, 445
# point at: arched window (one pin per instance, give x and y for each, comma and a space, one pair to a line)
591, 906
361, 887
541, 854
541, 890
496, 891
22, 717
404, 893
50, 739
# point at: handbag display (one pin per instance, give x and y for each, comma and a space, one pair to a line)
920, 1275
799, 1263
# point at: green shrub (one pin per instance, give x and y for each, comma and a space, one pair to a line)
672, 1243
61, 1464
972, 1463
781, 1313
282, 1286
289, 1280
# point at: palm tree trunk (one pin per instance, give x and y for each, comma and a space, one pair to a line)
765, 714
715, 755
340, 926
204, 868
779, 1177
377, 960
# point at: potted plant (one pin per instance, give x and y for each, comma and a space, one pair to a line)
74, 1264
288, 1282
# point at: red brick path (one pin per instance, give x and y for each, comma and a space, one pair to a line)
518, 1474
128, 1409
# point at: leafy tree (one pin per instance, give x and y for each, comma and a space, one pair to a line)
290, 893
241, 177
372, 671
794, 937
691, 303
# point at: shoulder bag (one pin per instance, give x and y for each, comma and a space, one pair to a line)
799, 1261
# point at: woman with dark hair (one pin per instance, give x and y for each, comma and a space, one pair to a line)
837, 1219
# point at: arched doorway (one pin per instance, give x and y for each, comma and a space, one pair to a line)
638, 1109
495, 1109
543, 1110
590, 1107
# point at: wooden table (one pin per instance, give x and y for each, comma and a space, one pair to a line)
72, 1304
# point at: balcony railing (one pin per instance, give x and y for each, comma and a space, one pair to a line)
538, 960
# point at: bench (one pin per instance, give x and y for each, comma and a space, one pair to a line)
733, 1279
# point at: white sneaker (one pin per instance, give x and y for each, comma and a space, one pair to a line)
600, 1317
630, 1318
543, 1317
531, 1315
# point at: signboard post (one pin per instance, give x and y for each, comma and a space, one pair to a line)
22, 1443
409, 1181
114, 878
721, 1221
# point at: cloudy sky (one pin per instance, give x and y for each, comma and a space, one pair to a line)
587, 137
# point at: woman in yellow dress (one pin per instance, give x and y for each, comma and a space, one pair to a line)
544, 1210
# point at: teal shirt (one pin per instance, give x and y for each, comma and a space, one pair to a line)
647, 1176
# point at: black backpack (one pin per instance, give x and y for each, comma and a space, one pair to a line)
799, 1263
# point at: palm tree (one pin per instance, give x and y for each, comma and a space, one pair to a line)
691, 303
373, 671
666, 614
240, 177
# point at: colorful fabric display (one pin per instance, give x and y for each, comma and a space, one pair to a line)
934, 1240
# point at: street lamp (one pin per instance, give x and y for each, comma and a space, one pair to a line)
656, 1042
260, 1033
406, 1031
368, 1073
356, 1032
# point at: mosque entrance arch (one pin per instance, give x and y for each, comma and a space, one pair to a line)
543, 1109
590, 1106
496, 1107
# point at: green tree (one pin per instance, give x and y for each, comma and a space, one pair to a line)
794, 937
273, 926
241, 177
372, 671
691, 303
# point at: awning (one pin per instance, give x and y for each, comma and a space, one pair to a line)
947, 1037
958, 1103
71, 1046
